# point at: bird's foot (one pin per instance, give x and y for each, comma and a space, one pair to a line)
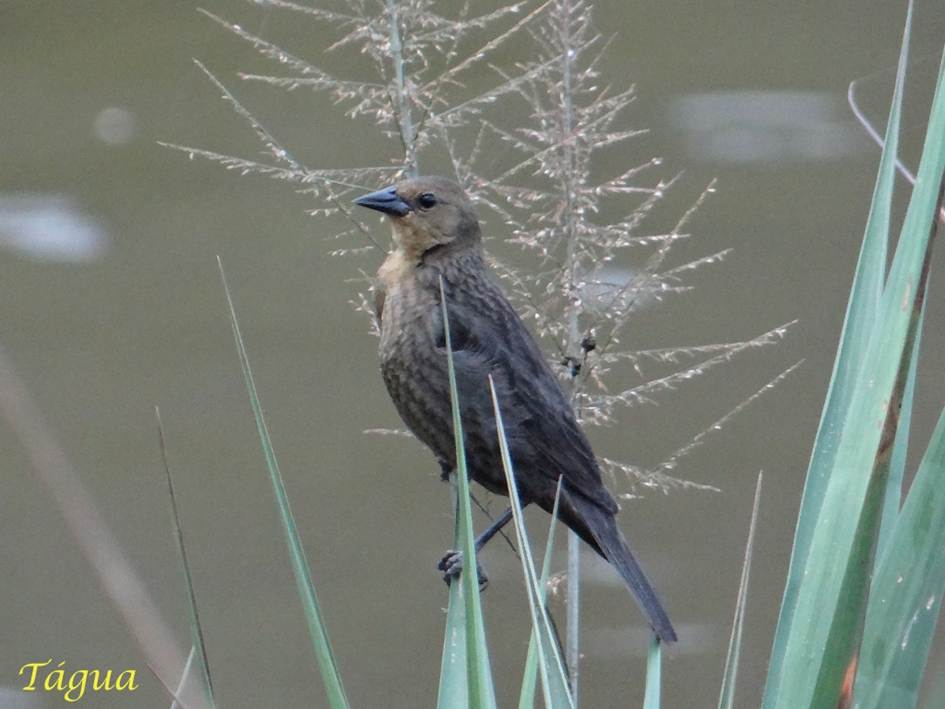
452, 565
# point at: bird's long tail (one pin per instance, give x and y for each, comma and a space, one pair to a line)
599, 528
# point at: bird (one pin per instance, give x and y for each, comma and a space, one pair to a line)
438, 244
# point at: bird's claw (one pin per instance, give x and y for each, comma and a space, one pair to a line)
452, 565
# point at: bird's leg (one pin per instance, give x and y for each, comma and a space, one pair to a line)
445, 471
493, 529
452, 563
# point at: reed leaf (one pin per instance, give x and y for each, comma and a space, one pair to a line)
530, 675
654, 674
820, 640
862, 308
198, 649
727, 693
554, 680
464, 594
328, 667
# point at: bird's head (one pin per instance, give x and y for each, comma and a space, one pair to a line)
426, 212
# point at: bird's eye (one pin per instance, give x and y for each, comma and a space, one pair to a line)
426, 200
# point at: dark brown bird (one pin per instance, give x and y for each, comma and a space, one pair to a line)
436, 233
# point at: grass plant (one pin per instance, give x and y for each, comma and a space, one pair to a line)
846, 606
327, 666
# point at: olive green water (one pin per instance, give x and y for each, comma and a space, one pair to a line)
111, 304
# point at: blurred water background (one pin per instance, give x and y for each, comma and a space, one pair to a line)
111, 304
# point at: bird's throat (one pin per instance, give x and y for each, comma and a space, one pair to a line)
397, 267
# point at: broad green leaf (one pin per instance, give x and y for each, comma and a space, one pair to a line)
554, 680
727, 693
198, 647
318, 632
530, 675
906, 594
830, 603
654, 672
862, 309
478, 677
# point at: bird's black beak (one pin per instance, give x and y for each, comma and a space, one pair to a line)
385, 200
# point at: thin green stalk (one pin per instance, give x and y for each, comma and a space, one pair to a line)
729, 684
185, 673
404, 114
573, 614
573, 619
530, 675
553, 676
327, 665
196, 629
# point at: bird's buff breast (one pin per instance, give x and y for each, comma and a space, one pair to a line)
414, 369
404, 324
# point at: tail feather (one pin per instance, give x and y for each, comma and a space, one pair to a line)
598, 528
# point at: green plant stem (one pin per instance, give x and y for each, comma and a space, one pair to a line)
527, 695
183, 677
404, 114
730, 676
573, 620
554, 678
654, 674
196, 628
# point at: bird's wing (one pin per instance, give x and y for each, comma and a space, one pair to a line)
488, 337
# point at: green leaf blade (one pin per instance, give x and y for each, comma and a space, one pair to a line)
654, 671
453, 691
327, 665
554, 679
198, 646
727, 693
530, 675
860, 316
478, 677
816, 646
